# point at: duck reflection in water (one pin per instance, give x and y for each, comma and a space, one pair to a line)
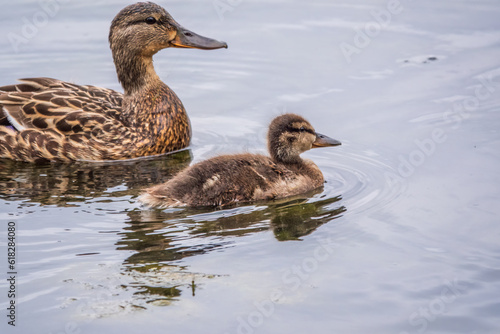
159, 238
68, 184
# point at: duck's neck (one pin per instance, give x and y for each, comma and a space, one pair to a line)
136, 73
148, 102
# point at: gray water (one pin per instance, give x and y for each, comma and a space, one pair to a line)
403, 238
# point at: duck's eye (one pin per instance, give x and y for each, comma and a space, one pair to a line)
150, 20
302, 129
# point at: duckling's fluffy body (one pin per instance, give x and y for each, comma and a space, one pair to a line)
230, 179
49, 119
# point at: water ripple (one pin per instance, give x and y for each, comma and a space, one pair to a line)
360, 178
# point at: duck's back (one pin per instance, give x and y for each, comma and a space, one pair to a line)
25, 97
230, 179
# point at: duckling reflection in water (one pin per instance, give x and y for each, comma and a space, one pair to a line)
239, 178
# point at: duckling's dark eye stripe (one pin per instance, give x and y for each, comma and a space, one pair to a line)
292, 129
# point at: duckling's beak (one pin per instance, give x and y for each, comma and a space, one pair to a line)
324, 141
188, 39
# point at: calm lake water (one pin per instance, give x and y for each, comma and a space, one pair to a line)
404, 237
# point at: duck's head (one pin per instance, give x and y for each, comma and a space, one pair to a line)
145, 28
289, 135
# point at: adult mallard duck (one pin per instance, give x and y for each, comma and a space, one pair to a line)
231, 179
49, 119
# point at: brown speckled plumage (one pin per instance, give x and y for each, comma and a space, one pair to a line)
48, 119
231, 179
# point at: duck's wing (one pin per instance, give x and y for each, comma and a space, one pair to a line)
44, 103
77, 136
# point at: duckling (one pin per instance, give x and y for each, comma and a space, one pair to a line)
47, 119
229, 179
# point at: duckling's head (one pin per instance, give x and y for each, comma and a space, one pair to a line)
145, 28
289, 135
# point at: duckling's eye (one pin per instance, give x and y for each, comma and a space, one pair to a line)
150, 20
302, 129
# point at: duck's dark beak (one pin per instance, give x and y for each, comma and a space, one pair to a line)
188, 39
324, 141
